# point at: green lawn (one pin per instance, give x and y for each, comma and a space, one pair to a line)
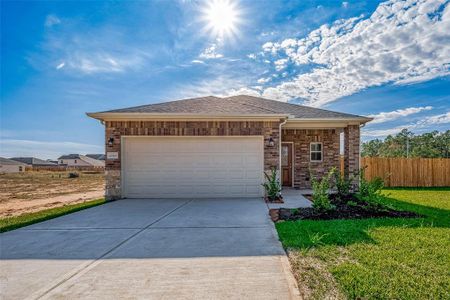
376, 258
10, 223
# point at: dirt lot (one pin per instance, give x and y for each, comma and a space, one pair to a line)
32, 191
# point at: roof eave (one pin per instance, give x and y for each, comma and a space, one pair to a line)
356, 120
109, 116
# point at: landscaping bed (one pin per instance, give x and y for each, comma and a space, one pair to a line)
348, 208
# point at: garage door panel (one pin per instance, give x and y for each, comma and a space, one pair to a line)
184, 167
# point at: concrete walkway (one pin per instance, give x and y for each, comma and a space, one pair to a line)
149, 249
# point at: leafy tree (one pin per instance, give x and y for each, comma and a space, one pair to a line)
433, 144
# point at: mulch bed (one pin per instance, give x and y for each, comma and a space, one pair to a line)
342, 211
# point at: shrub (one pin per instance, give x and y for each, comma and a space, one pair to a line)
370, 191
74, 175
272, 185
343, 185
321, 201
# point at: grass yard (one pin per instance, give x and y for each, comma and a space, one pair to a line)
375, 258
10, 223
32, 191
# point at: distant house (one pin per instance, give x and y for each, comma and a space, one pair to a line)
11, 166
78, 160
34, 162
96, 156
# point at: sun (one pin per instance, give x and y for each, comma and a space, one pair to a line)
222, 18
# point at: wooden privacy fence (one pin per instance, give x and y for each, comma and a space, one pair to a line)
409, 172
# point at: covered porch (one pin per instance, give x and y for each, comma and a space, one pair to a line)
307, 149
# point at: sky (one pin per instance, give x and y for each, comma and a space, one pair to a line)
60, 59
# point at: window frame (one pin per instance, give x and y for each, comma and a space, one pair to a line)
315, 151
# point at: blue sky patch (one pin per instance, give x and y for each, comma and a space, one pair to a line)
59, 59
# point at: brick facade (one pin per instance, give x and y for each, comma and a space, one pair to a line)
301, 153
351, 149
268, 129
116, 129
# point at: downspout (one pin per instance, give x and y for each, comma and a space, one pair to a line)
359, 154
279, 147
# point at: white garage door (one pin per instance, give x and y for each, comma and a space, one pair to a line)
186, 167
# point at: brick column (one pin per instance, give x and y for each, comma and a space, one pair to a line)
112, 166
351, 150
271, 153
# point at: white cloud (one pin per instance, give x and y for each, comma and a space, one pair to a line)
401, 42
434, 120
210, 52
102, 62
60, 66
399, 113
384, 132
264, 80
280, 64
252, 56
44, 150
345, 4
242, 91
52, 20
425, 123
196, 61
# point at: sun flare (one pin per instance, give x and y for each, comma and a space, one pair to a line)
222, 18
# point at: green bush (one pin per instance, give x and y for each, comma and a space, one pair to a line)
321, 201
370, 191
272, 185
343, 185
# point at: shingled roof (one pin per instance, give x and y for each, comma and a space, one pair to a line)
236, 105
33, 161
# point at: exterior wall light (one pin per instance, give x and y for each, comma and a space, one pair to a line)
110, 141
271, 142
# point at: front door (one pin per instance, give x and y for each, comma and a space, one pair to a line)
286, 164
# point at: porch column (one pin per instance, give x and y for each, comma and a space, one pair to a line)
351, 150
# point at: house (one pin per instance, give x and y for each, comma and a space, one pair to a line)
52, 161
96, 156
34, 162
11, 166
78, 160
220, 147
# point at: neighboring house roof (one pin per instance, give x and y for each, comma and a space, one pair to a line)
91, 161
96, 156
5, 161
235, 105
70, 156
33, 161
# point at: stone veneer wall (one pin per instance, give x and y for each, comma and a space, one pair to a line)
115, 129
301, 156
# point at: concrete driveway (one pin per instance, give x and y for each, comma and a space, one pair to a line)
149, 249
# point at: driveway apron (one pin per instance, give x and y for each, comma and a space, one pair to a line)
149, 249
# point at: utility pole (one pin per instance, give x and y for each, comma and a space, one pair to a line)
407, 147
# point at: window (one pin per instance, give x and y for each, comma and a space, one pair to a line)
75, 161
315, 151
20, 169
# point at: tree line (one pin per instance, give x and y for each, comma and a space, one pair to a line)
433, 144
